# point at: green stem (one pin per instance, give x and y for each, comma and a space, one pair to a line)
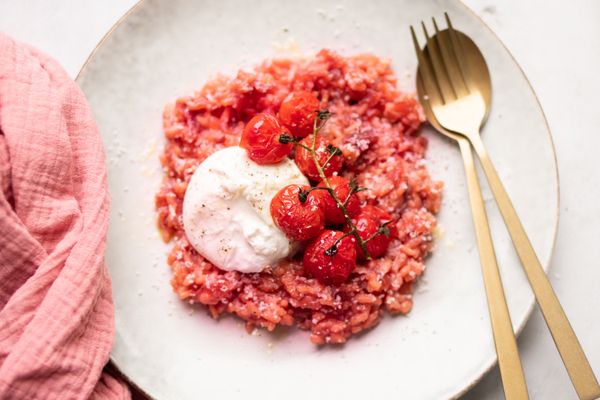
327, 161
382, 230
372, 237
353, 231
333, 249
348, 198
305, 147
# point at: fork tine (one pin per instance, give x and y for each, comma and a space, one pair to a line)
449, 61
439, 72
457, 51
429, 84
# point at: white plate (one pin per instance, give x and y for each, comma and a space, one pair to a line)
163, 50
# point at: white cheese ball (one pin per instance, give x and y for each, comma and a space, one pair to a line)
226, 215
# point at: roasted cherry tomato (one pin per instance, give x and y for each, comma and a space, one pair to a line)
260, 138
297, 213
323, 150
330, 267
341, 187
298, 112
381, 216
367, 226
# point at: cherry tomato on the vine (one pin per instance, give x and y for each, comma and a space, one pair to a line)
260, 138
330, 267
341, 187
382, 217
367, 226
298, 216
298, 112
324, 152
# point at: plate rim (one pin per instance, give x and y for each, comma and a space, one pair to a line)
487, 367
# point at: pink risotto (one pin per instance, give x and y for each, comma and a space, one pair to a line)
377, 128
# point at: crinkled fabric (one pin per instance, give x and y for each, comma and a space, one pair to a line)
56, 309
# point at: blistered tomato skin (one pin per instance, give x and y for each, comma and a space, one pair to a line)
382, 217
299, 220
260, 138
333, 214
367, 226
306, 164
330, 269
298, 112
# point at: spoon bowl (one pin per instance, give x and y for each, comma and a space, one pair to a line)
456, 88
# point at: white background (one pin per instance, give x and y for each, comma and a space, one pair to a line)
558, 46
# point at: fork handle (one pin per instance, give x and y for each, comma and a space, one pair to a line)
509, 361
566, 341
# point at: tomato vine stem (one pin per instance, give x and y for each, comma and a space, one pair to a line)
320, 120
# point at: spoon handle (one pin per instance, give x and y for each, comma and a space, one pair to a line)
509, 362
566, 341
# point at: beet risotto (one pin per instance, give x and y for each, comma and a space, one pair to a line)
376, 151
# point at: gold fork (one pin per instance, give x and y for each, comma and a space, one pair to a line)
507, 351
457, 86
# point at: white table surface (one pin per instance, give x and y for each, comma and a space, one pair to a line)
558, 46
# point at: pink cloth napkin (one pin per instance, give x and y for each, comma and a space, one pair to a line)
56, 310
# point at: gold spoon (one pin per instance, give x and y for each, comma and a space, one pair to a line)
507, 351
457, 84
